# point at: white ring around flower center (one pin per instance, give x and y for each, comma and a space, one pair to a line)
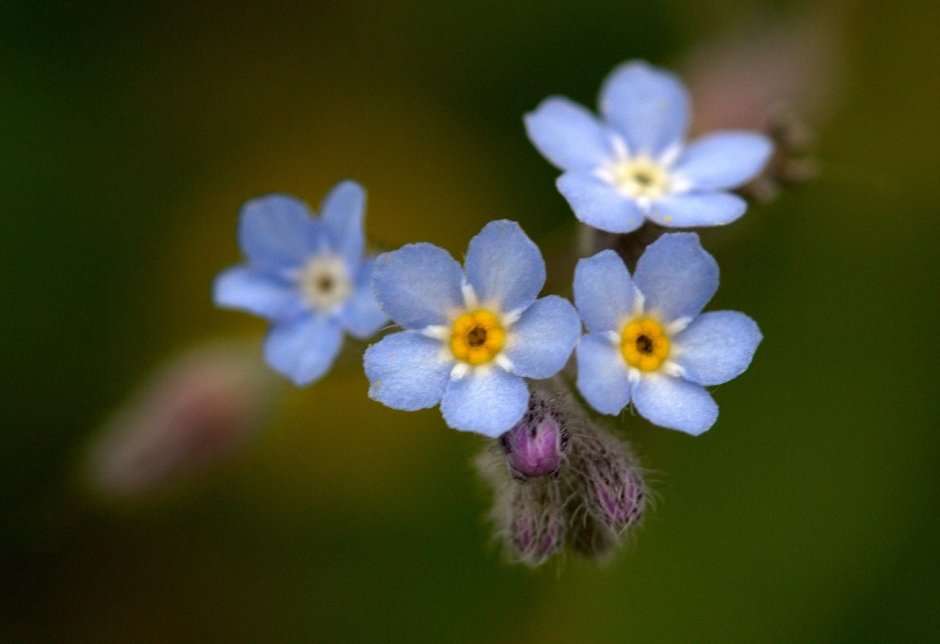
641, 177
325, 282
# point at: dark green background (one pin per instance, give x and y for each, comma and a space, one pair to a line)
130, 135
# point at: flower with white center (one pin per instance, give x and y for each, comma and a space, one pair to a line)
307, 275
635, 165
471, 335
648, 341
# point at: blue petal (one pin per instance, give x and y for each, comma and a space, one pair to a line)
362, 316
250, 290
418, 285
599, 204
487, 401
648, 105
407, 371
542, 340
342, 211
675, 404
602, 374
717, 347
724, 160
693, 209
568, 135
676, 276
277, 232
504, 266
603, 291
303, 349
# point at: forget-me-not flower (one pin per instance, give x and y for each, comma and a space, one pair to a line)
635, 164
647, 341
471, 335
307, 275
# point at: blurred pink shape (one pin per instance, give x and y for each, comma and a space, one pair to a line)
739, 79
202, 408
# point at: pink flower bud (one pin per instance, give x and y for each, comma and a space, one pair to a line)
535, 446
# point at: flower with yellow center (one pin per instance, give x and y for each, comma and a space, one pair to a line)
649, 344
472, 335
640, 178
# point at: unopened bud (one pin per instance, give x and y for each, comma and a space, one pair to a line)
609, 483
536, 445
536, 527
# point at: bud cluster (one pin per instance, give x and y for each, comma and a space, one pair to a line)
560, 478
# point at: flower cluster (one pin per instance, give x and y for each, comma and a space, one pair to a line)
479, 341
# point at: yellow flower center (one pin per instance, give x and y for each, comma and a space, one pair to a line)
644, 344
641, 177
476, 337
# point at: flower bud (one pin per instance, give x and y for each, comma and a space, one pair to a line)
606, 478
536, 527
536, 445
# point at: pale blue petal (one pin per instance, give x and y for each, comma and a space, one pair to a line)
695, 209
602, 374
362, 316
303, 349
603, 291
342, 211
599, 204
418, 285
277, 232
407, 371
649, 106
244, 288
723, 160
676, 276
542, 340
716, 347
568, 135
504, 266
674, 403
486, 401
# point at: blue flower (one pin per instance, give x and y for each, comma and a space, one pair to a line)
307, 275
471, 335
635, 165
647, 341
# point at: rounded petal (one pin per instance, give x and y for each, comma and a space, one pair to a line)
603, 291
599, 204
486, 401
277, 231
648, 105
724, 160
504, 266
244, 288
418, 285
568, 135
542, 340
407, 371
676, 276
695, 209
303, 349
362, 316
717, 347
602, 374
675, 403
343, 210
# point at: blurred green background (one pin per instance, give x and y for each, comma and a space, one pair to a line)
130, 136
